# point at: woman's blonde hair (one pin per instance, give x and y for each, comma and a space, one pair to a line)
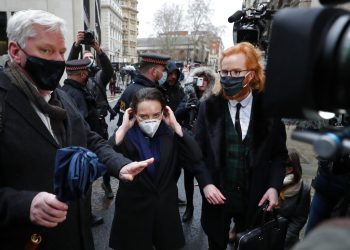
254, 62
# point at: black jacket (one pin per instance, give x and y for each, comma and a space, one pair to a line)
266, 158
27, 160
147, 210
296, 210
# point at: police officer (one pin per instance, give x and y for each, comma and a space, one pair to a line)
96, 84
152, 74
75, 86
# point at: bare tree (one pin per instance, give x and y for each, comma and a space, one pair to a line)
168, 21
203, 32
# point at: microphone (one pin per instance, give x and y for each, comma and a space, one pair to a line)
236, 16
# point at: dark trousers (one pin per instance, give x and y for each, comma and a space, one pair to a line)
189, 187
106, 179
219, 231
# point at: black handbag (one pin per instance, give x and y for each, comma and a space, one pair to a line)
270, 235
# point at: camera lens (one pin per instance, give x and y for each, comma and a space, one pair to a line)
308, 63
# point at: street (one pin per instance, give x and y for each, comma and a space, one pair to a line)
195, 237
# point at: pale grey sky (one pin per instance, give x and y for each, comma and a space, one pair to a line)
222, 10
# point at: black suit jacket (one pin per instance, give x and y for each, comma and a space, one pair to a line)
27, 154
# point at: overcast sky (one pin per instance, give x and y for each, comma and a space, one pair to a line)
222, 10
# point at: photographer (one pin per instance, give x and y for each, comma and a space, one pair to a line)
331, 186
96, 85
186, 114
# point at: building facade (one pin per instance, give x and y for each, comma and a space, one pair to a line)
82, 15
130, 30
112, 30
204, 49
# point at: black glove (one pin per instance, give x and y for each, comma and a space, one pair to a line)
112, 114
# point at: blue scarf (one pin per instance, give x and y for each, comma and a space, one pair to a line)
148, 147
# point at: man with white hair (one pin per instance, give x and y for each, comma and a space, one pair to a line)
37, 120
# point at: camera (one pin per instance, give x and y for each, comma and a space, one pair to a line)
251, 25
308, 72
195, 81
89, 37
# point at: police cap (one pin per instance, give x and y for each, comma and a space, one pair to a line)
154, 58
75, 65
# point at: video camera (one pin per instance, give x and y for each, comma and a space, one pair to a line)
89, 37
308, 72
250, 25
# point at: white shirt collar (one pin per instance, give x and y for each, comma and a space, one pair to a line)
244, 102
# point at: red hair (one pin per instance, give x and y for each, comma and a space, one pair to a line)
254, 62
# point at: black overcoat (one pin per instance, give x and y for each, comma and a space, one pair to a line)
27, 155
266, 157
147, 209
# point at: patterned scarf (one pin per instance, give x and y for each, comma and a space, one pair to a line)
53, 109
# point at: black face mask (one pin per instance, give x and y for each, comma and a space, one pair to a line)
232, 85
46, 74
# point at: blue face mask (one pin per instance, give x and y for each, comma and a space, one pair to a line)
162, 80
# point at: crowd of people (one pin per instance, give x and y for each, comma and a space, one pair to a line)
214, 128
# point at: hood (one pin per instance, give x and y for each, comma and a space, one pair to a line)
212, 76
171, 67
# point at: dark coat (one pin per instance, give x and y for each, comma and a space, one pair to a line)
147, 210
296, 210
76, 92
27, 159
173, 94
87, 106
266, 159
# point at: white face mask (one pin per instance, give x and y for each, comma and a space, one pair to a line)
149, 127
162, 80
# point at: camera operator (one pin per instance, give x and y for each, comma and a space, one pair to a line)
96, 85
186, 114
331, 186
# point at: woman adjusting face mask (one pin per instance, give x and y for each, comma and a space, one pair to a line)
149, 116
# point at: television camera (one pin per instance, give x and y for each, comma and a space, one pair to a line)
251, 25
308, 72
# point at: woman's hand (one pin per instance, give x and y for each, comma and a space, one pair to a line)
170, 120
129, 171
126, 125
127, 122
